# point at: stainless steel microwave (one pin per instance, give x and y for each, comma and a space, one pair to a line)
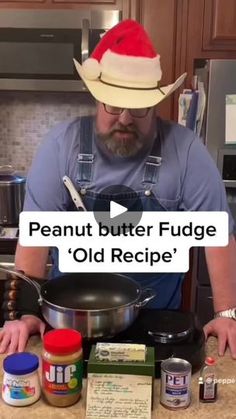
37, 47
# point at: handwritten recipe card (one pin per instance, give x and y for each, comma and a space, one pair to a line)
118, 396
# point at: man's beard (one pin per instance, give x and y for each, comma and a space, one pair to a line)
123, 147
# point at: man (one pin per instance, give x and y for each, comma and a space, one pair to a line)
166, 164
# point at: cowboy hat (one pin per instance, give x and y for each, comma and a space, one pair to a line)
124, 69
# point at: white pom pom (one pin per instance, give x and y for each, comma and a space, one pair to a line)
91, 69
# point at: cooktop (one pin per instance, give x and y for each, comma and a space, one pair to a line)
172, 333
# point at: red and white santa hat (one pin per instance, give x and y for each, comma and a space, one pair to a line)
124, 69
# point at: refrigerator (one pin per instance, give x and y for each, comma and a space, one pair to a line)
219, 125
219, 135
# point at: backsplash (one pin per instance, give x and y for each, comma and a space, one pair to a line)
25, 118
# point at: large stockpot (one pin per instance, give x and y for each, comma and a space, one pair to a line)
97, 305
12, 191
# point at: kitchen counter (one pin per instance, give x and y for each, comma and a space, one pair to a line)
223, 408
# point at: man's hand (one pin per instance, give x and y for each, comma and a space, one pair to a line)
225, 330
15, 333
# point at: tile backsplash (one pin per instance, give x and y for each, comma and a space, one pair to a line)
25, 118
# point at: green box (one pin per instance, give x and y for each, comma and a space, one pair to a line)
133, 368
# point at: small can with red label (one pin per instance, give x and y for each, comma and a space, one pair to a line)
62, 367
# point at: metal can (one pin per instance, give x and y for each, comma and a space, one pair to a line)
175, 383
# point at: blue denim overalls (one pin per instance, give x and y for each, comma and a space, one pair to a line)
167, 285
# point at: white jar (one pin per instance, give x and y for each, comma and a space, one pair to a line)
21, 385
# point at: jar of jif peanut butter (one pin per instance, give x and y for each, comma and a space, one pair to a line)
62, 367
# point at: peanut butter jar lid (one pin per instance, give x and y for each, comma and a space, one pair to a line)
62, 341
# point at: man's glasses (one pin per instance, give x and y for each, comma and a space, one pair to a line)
136, 113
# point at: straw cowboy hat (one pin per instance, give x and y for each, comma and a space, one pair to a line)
124, 69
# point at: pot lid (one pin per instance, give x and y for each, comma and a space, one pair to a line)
11, 179
8, 176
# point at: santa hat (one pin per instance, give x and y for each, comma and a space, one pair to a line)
124, 69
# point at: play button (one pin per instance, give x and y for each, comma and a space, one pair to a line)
116, 209
118, 205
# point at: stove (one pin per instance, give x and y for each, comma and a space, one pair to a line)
172, 333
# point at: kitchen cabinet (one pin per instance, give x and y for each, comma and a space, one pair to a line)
65, 2
128, 7
159, 17
219, 25
205, 29
97, 2
181, 30
22, 1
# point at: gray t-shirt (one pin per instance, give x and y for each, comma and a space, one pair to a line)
188, 178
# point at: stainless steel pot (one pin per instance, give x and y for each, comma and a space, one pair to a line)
12, 191
98, 305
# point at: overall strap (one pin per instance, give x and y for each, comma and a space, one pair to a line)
85, 157
152, 165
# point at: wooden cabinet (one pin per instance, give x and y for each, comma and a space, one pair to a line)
51, 2
180, 29
128, 7
97, 2
9, 4
21, 1
159, 18
183, 30
219, 25
205, 29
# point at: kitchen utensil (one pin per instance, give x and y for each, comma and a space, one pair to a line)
95, 304
12, 191
76, 198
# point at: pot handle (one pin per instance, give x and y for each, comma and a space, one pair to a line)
21, 275
147, 294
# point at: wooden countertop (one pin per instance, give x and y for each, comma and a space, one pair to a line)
223, 408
